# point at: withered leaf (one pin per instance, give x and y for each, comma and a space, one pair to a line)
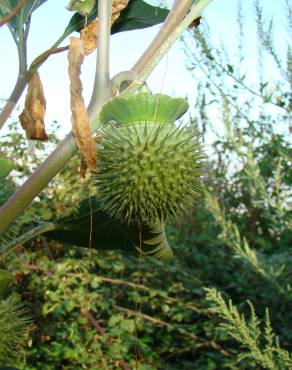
32, 117
89, 37
89, 33
79, 118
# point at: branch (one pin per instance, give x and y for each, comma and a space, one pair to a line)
101, 332
171, 30
12, 14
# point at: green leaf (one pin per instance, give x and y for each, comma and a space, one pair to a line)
144, 107
128, 325
6, 166
136, 15
5, 280
108, 233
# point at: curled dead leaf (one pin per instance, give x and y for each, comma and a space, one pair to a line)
32, 117
79, 118
89, 33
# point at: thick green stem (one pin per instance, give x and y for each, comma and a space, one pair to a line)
21, 81
102, 86
171, 30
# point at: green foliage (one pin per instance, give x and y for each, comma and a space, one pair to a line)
6, 167
268, 355
13, 327
88, 309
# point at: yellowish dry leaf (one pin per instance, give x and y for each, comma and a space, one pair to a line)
89, 37
79, 118
32, 117
89, 33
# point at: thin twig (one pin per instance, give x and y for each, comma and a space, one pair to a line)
12, 14
147, 289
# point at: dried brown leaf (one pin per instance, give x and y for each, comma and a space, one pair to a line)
79, 118
89, 37
89, 33
32, 117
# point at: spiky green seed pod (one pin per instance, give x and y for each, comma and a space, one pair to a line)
148, 167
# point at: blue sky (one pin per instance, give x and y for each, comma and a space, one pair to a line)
50, 20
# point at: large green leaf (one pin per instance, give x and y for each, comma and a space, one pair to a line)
136, 15
107, 233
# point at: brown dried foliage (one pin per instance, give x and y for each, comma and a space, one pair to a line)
79, 118
89, 33
32, 117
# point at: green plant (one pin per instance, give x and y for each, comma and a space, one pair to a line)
103, 87
268, 355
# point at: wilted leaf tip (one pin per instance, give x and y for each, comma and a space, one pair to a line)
32, 117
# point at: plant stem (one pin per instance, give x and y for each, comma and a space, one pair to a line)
102, 85
65, 150
21, 81
175, 24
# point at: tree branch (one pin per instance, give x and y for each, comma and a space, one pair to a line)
12, 14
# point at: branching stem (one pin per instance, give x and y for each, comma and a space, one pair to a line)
174, 25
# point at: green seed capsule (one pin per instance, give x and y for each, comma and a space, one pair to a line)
153, 167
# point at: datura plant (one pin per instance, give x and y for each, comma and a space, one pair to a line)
148, 166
